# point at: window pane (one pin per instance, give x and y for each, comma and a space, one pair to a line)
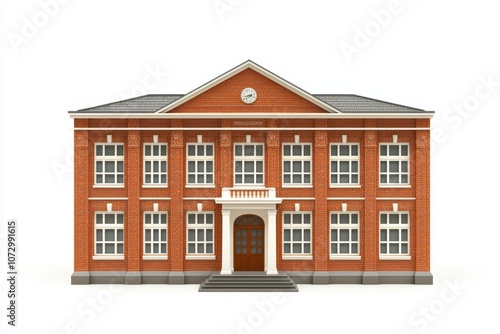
109, 150
209, 235
307, 150
109, 166
249, 179
297, 150
334, 235
201, 150
98, 150
307, 235
354, 150
344, 248
209, 219
210, 248
156, 248
393, 218
286, 150
163, 234
156, 150
307, 248
260, 166
98, 249
163, 248
148, 235
344, 150
109, 248
286, 235
286, 219
393, 235
344, 166
383, 150
344, 235
249, 166
119, 235
191, 235
404, 150
209, 151
191, 248
163, 150
333, 150
334, 249
344, 218
286, 248
238, 167
297, 248
249, 150
383, 235
119, 149
354, 235
191, 150
98, 235
109, 218
209, 165
260, 150
393, 248
404, 235
297, 235
393, 150
109, 235
201, 235
148, 150
238, 150
393, 166
201, 248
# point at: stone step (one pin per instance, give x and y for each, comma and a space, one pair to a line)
250, 282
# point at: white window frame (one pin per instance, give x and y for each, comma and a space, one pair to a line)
104, 159
338, 159
400, 159
350, 227
196, 226
152, 226
399, 227
302, 227
291, 159
152, 159
116, 227
253, 158
203, 159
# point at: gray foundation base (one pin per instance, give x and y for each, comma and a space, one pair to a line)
176, 278
107, 277
154, 277
370, 277
321, 277
422, 277
346, 277
132, 277
80, 277
299, 277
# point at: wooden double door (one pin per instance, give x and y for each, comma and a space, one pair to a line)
248, 243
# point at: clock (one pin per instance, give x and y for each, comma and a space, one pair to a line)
248, 95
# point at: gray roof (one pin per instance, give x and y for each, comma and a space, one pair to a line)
345, 103
147, 104
349, 103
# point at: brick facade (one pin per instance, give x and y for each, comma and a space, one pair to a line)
290, 118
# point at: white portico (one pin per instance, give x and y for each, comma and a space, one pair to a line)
244, 202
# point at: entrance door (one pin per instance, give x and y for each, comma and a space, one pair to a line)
248, 243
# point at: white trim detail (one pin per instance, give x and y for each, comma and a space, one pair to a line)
109, 139
199, 139
395, 198
394, 139
155, 207
344, 139
344, 207
154, 198
297, 207
297, 139
243, 129
395, 207
248, 139
155, 139
345, 198
199, 207
108, 198
108, 257
109, 207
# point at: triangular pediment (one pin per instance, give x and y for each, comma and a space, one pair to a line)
273, 95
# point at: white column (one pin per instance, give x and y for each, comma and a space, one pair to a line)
226, 242
271, 244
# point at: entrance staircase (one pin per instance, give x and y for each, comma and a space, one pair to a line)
248, 281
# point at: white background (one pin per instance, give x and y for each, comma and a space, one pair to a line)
433, 55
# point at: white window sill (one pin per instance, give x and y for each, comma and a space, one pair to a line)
395, 257
394, 185
200, 185
345, 257
155, 185
293, 185
347, 185
155, 257
108, 257
200, 257
249, 186
121, 185
296, 257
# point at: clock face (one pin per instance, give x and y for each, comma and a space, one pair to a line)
248, 95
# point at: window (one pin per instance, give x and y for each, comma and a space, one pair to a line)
394, 236
200, 235
249, 164
344, 165
109, 164
297, 235
394, 164
344, 235
155, 235
296, 164
108, 236
155, 164
200, 164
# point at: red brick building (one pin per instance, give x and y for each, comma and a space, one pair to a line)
251, 173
